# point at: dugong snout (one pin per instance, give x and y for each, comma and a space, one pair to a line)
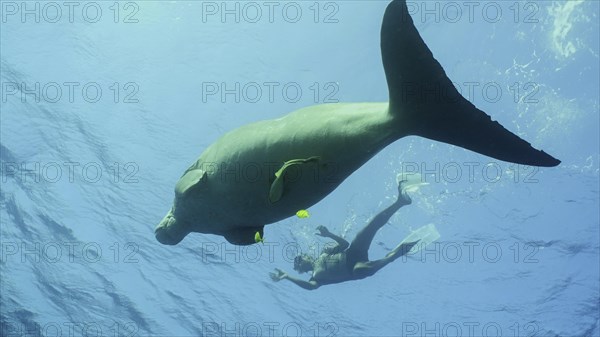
169, 231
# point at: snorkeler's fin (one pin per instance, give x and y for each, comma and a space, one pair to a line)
402, 249
422, 237
428, 104
276, 190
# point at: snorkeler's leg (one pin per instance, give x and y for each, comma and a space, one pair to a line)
359, 248
368, 268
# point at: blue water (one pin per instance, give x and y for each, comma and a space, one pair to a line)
88, 173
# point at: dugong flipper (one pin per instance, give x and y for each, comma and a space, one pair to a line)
277, 186
266, 171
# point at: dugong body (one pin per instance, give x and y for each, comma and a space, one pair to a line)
264, 172
232, 179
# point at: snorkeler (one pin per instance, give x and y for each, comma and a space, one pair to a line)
350, 261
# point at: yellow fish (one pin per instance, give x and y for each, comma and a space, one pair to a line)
302, 214
258, 239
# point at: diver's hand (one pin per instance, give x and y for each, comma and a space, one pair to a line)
323, 231
278, 275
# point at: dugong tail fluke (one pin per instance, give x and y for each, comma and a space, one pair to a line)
428, 104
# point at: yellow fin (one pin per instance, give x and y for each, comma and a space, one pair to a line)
258, 239
302, 214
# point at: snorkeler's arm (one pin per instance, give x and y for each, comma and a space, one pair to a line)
308, 285
342, 244
279, 275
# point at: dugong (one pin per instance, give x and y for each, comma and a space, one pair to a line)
264, 172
